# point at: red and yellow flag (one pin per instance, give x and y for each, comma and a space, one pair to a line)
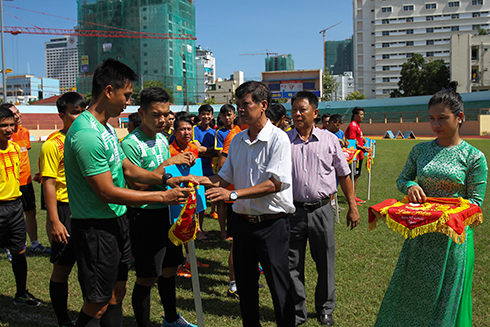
350, 154
449, 216
185, 227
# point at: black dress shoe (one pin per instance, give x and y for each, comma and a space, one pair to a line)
326, 319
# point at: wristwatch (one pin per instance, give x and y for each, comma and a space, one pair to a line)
165, 178
233, 196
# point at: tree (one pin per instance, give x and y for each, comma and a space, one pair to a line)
146, 84
88, 97
330, 86
419, 77
210, 101
355, 96
482, 31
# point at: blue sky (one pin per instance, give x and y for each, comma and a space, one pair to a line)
228, 28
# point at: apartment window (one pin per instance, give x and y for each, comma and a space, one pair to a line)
429, 42
429, 30
386, 9
453, 4
386, 68
429, 54
475, 27
476, 2
386, 56
476, 14
385, 45
385, 33
431, 6
455, 16
385, 21
410, 31
408, 8
409, 20
429, 18
386, 79
409, 43
455, 28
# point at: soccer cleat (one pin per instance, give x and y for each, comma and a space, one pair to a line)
28, 299
9, 255
233, 294
182, 271
179, 322
40, 249
360, 200
214, 215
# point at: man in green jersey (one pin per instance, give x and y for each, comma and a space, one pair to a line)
154, 254
95, 168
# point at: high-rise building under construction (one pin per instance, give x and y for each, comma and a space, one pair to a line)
165, 60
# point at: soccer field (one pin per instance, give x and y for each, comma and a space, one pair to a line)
364, 264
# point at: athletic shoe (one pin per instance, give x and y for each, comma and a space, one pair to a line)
179, 322
182, 271
9, 255
232, 294
359, 200
28, 299
40, 249
199, 264
214, 215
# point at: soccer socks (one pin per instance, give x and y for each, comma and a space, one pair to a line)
84, 320
59, 298
113, 316
141, 305
19, 267
166, 288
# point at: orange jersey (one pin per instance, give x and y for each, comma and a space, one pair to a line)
175, 149
21, 137
234, 131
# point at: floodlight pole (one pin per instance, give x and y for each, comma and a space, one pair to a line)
3, 55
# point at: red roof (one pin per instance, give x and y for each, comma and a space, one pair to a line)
48, 101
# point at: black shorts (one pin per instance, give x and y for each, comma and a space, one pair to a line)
357, 172
12, 225
152, 250
63, 254
28, 197
102, 254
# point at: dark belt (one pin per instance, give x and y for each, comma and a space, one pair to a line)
262, 218
312, 205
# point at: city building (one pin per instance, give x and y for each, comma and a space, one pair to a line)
387, 33
27, 88
170, 60
61, 59
471, 51
223, 91
206, 72
281, 62
284, 84
346, 86
339, 56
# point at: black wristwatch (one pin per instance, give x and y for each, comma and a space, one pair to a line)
165, 178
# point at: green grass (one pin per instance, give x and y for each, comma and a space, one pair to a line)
365, 263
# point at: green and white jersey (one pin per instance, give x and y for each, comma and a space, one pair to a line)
148, 153
92, 149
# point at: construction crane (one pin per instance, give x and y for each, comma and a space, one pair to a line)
16, 30
267, 53
324, 51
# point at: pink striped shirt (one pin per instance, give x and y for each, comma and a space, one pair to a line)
315, 163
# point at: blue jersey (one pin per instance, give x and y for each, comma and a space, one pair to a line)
206, 139
340, 134
220, 138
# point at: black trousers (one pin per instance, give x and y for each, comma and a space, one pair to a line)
267, 243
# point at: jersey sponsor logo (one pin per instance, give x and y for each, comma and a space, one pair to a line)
152, 164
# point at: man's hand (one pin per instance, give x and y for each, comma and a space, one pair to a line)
37, 177
186, 158
416, 194
178, 181
57, 232
218, 194
177, 195
352, 218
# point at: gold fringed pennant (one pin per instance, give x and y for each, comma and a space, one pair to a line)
185, 227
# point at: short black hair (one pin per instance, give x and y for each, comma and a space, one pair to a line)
73, 98
153, 94
259, 91
6, 105
310, 96
205, 108
335, 118
6, 113
226, 108
194, 118
325, 116
276, 112
111, 72
182, 117
135, 118
356, 111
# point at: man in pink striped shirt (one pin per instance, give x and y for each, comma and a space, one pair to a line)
316, 159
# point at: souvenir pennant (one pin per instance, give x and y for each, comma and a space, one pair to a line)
185, 228
369, 160
449, 216
350, 154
